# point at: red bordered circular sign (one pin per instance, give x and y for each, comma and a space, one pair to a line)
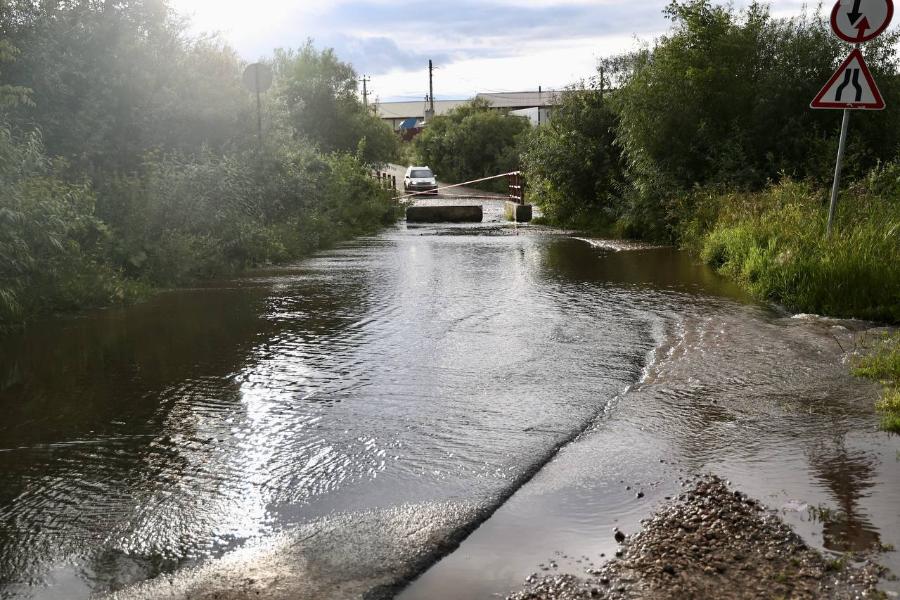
858, 21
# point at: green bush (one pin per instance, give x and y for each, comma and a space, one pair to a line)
179, 218
573, 168
184, 217
52, 247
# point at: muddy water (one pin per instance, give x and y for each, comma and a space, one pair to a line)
395, 391
762, 399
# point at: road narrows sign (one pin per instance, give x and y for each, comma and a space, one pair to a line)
858, 21
851, 87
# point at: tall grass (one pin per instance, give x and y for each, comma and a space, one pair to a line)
773, 242
883, 364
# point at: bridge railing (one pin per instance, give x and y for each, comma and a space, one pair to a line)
516, 187
385, 180
515, 191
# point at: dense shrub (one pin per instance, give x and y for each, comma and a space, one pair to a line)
186, 217
470, 142
65, 247
52, 247
573, 167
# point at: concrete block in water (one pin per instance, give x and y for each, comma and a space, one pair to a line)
520, 213
444, 214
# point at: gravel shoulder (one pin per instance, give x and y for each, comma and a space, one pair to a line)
713, 542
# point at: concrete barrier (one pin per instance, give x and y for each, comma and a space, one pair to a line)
444, 214
520, 213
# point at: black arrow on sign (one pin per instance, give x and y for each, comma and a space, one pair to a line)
854, 14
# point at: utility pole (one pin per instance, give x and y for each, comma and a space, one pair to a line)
429, 99
540, 104
365, 92
431, 85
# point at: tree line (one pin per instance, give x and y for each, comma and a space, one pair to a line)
129, 158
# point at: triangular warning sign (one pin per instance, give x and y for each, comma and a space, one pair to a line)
851, 86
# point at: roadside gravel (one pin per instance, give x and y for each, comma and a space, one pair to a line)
713, 542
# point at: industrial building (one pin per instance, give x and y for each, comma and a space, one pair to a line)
537, 106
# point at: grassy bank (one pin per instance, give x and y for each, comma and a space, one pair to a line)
883, 364
773, 243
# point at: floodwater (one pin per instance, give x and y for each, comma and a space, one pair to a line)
395, 392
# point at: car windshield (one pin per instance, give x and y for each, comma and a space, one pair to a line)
420, 173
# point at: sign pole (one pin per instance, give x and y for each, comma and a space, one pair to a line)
258, 110
258, 78
852, 86
842, 144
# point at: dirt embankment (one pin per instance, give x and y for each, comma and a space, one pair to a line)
713, 542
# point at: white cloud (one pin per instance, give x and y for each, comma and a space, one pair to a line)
551, 66
477, 45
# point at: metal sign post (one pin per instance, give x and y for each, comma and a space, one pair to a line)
838, 165
852, 86
258, 78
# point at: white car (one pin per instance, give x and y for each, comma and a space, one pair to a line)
419, 179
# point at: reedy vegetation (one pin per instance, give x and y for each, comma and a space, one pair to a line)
706, 140
129, 158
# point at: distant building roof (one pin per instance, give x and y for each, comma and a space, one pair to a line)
521, 99
406, 110
416, 109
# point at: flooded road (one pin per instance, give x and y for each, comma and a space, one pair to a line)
352, 417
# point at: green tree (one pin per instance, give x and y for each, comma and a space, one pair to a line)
320, 95
113, 80
128, 159
11, 96
724, 98
572, 165
721, 100
470, 142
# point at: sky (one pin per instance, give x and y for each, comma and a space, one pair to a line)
475, 45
